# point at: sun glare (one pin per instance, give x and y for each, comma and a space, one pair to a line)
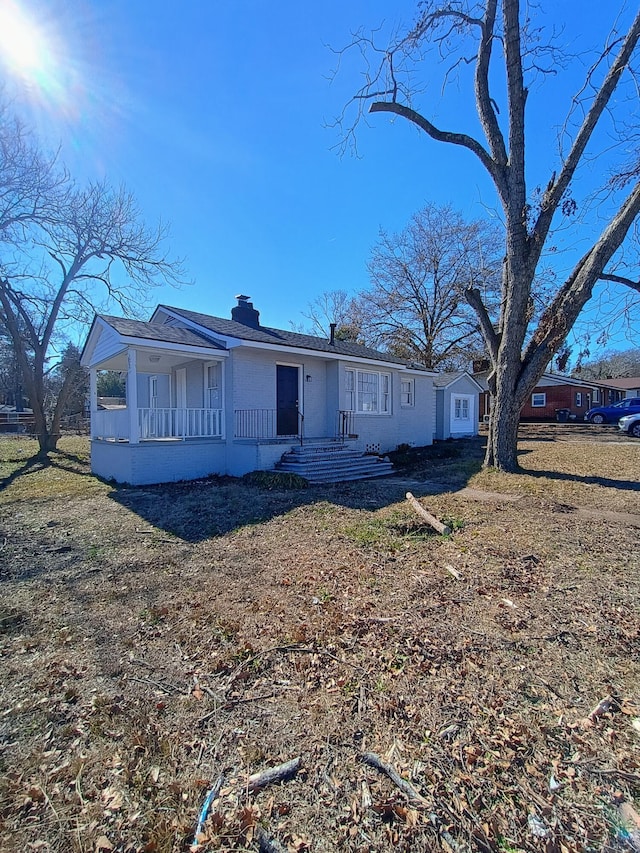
23, 48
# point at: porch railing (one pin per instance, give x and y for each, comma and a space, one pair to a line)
113, 424
110, 424
180, 423
345, 427
255, 423
262, 424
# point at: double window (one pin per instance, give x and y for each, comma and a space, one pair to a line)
461, 408
367, 392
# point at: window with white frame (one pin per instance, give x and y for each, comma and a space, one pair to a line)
407, 392
461, 408
578, 398
153, 392
367, 392
350, 390
213, 385
538, 400
596, 395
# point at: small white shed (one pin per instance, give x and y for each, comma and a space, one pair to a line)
457, 396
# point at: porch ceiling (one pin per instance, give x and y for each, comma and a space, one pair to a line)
151, 360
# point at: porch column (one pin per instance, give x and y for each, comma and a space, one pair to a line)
132, 396
93, 400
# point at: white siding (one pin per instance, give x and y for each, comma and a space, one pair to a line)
108, 344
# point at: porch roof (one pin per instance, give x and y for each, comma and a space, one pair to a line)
158, 332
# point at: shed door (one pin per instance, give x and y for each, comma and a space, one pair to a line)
287, 399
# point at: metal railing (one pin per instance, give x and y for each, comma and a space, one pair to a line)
345, 427
262, 424
180, 423
255, 423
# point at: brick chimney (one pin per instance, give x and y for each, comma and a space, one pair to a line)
245, 313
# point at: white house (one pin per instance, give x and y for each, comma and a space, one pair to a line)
457, 396
207, 395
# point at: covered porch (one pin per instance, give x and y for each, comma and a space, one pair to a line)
160, 384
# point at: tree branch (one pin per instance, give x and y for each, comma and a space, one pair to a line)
621, 279
451, 137
492, 339
556, 189
484, 102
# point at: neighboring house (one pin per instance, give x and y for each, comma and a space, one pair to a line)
457, 396
628, 386
16, 420
554, 392
207, 395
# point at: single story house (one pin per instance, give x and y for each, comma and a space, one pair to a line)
457, 399
624, 386
553, 393
208, 395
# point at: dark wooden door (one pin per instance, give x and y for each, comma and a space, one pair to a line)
287, 399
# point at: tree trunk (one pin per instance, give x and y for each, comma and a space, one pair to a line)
502, 444
47, 442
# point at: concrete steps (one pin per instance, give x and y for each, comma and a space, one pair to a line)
332, 463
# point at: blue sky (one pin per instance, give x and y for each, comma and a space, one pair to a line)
214, 114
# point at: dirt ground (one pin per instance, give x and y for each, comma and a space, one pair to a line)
477, 691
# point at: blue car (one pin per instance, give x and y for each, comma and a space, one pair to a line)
612, 414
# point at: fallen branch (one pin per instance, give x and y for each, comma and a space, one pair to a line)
431, 520
389, 770
281, 773
620, 774
165, 687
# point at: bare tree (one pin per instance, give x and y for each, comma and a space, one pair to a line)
335, 306
416, 306
610, 365
503, 48
65, 253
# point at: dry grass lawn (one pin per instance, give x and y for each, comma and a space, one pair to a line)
154, 639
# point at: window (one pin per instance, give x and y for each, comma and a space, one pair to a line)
461, 408
596, 395
213, 395
578, 398
350, 390
538, 400
407, 392
367, 392
153, 392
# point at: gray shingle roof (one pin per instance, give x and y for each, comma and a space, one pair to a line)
280, 337
441, 380
158, 332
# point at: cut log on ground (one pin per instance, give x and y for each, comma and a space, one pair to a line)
281, 773
431, 520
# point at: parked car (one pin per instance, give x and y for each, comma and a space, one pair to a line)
630, 424
612, 414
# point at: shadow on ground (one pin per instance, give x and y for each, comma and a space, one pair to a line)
199, 510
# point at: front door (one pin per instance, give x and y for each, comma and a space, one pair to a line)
287, 399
